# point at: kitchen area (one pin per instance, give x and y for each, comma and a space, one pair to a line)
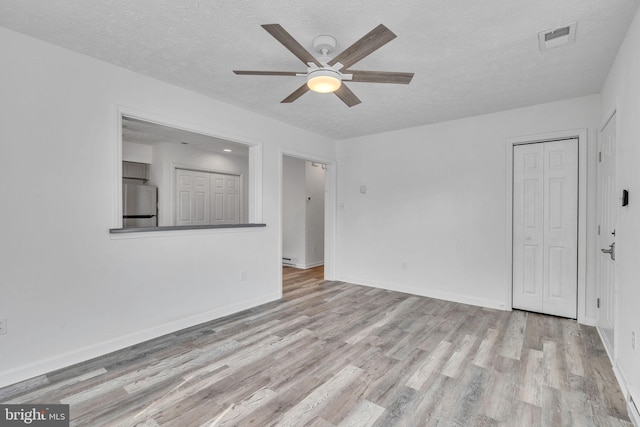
173, 177
139, 198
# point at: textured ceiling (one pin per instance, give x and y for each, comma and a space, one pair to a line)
469, 57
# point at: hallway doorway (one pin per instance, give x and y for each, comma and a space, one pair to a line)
303, 212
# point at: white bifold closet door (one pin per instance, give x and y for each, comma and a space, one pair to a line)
545, 227
207, 198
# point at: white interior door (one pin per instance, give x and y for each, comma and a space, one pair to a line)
225, 199
192, 197
206, 198
545, 227
528, 236
607, 203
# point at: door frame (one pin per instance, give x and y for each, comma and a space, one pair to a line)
612, 351
581, 135
330, 209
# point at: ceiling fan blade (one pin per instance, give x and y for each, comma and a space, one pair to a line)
296, 94
371, 42
348, 97
290, 43
267, 73
380, 77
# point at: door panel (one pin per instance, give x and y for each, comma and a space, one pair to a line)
530, 270
225, 197
218, 203
192, 197
183, 197
561, 228
545, 227
607, 202
527, 226
204, 198
233, 204
184, 207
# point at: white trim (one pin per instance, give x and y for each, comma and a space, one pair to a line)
117, 169
581, 135
634, 406
330, 212
303, 266
255, 157
612, 351
633, 415
463, 299
627, 390
612, 112
255, 184
331, 220
312, 265
81, 355
607, 350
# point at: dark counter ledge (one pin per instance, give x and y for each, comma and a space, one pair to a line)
180, 227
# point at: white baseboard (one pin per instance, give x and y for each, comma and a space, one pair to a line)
632, 408
303, 266
627, 390
44, 366
480, 302
313, 264
631, 395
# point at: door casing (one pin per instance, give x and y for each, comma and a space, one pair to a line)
330, 209
581, 135
608, 302
545, 220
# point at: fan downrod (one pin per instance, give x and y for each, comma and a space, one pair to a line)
324, 45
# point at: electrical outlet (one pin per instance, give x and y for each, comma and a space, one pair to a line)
3, 326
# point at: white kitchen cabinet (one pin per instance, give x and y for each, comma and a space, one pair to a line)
135, 170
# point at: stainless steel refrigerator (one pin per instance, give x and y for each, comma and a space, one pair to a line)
139, 205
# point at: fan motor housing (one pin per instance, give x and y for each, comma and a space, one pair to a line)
324, 44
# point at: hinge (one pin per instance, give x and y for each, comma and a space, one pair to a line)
598, 229
600, 156
598, 303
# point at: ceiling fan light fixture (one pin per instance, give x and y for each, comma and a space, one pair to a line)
324, 80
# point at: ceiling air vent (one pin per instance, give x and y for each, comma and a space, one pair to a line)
557, 37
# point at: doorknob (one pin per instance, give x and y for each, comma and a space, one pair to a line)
611, 251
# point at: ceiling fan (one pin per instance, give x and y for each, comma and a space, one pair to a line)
325, 74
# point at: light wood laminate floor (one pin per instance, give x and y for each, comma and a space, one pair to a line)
337, 354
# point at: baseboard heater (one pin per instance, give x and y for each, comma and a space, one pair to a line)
291, 262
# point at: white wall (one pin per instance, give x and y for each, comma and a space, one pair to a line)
314, 215
432, 221
293, 211
167, 156
621, 91
69, 290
